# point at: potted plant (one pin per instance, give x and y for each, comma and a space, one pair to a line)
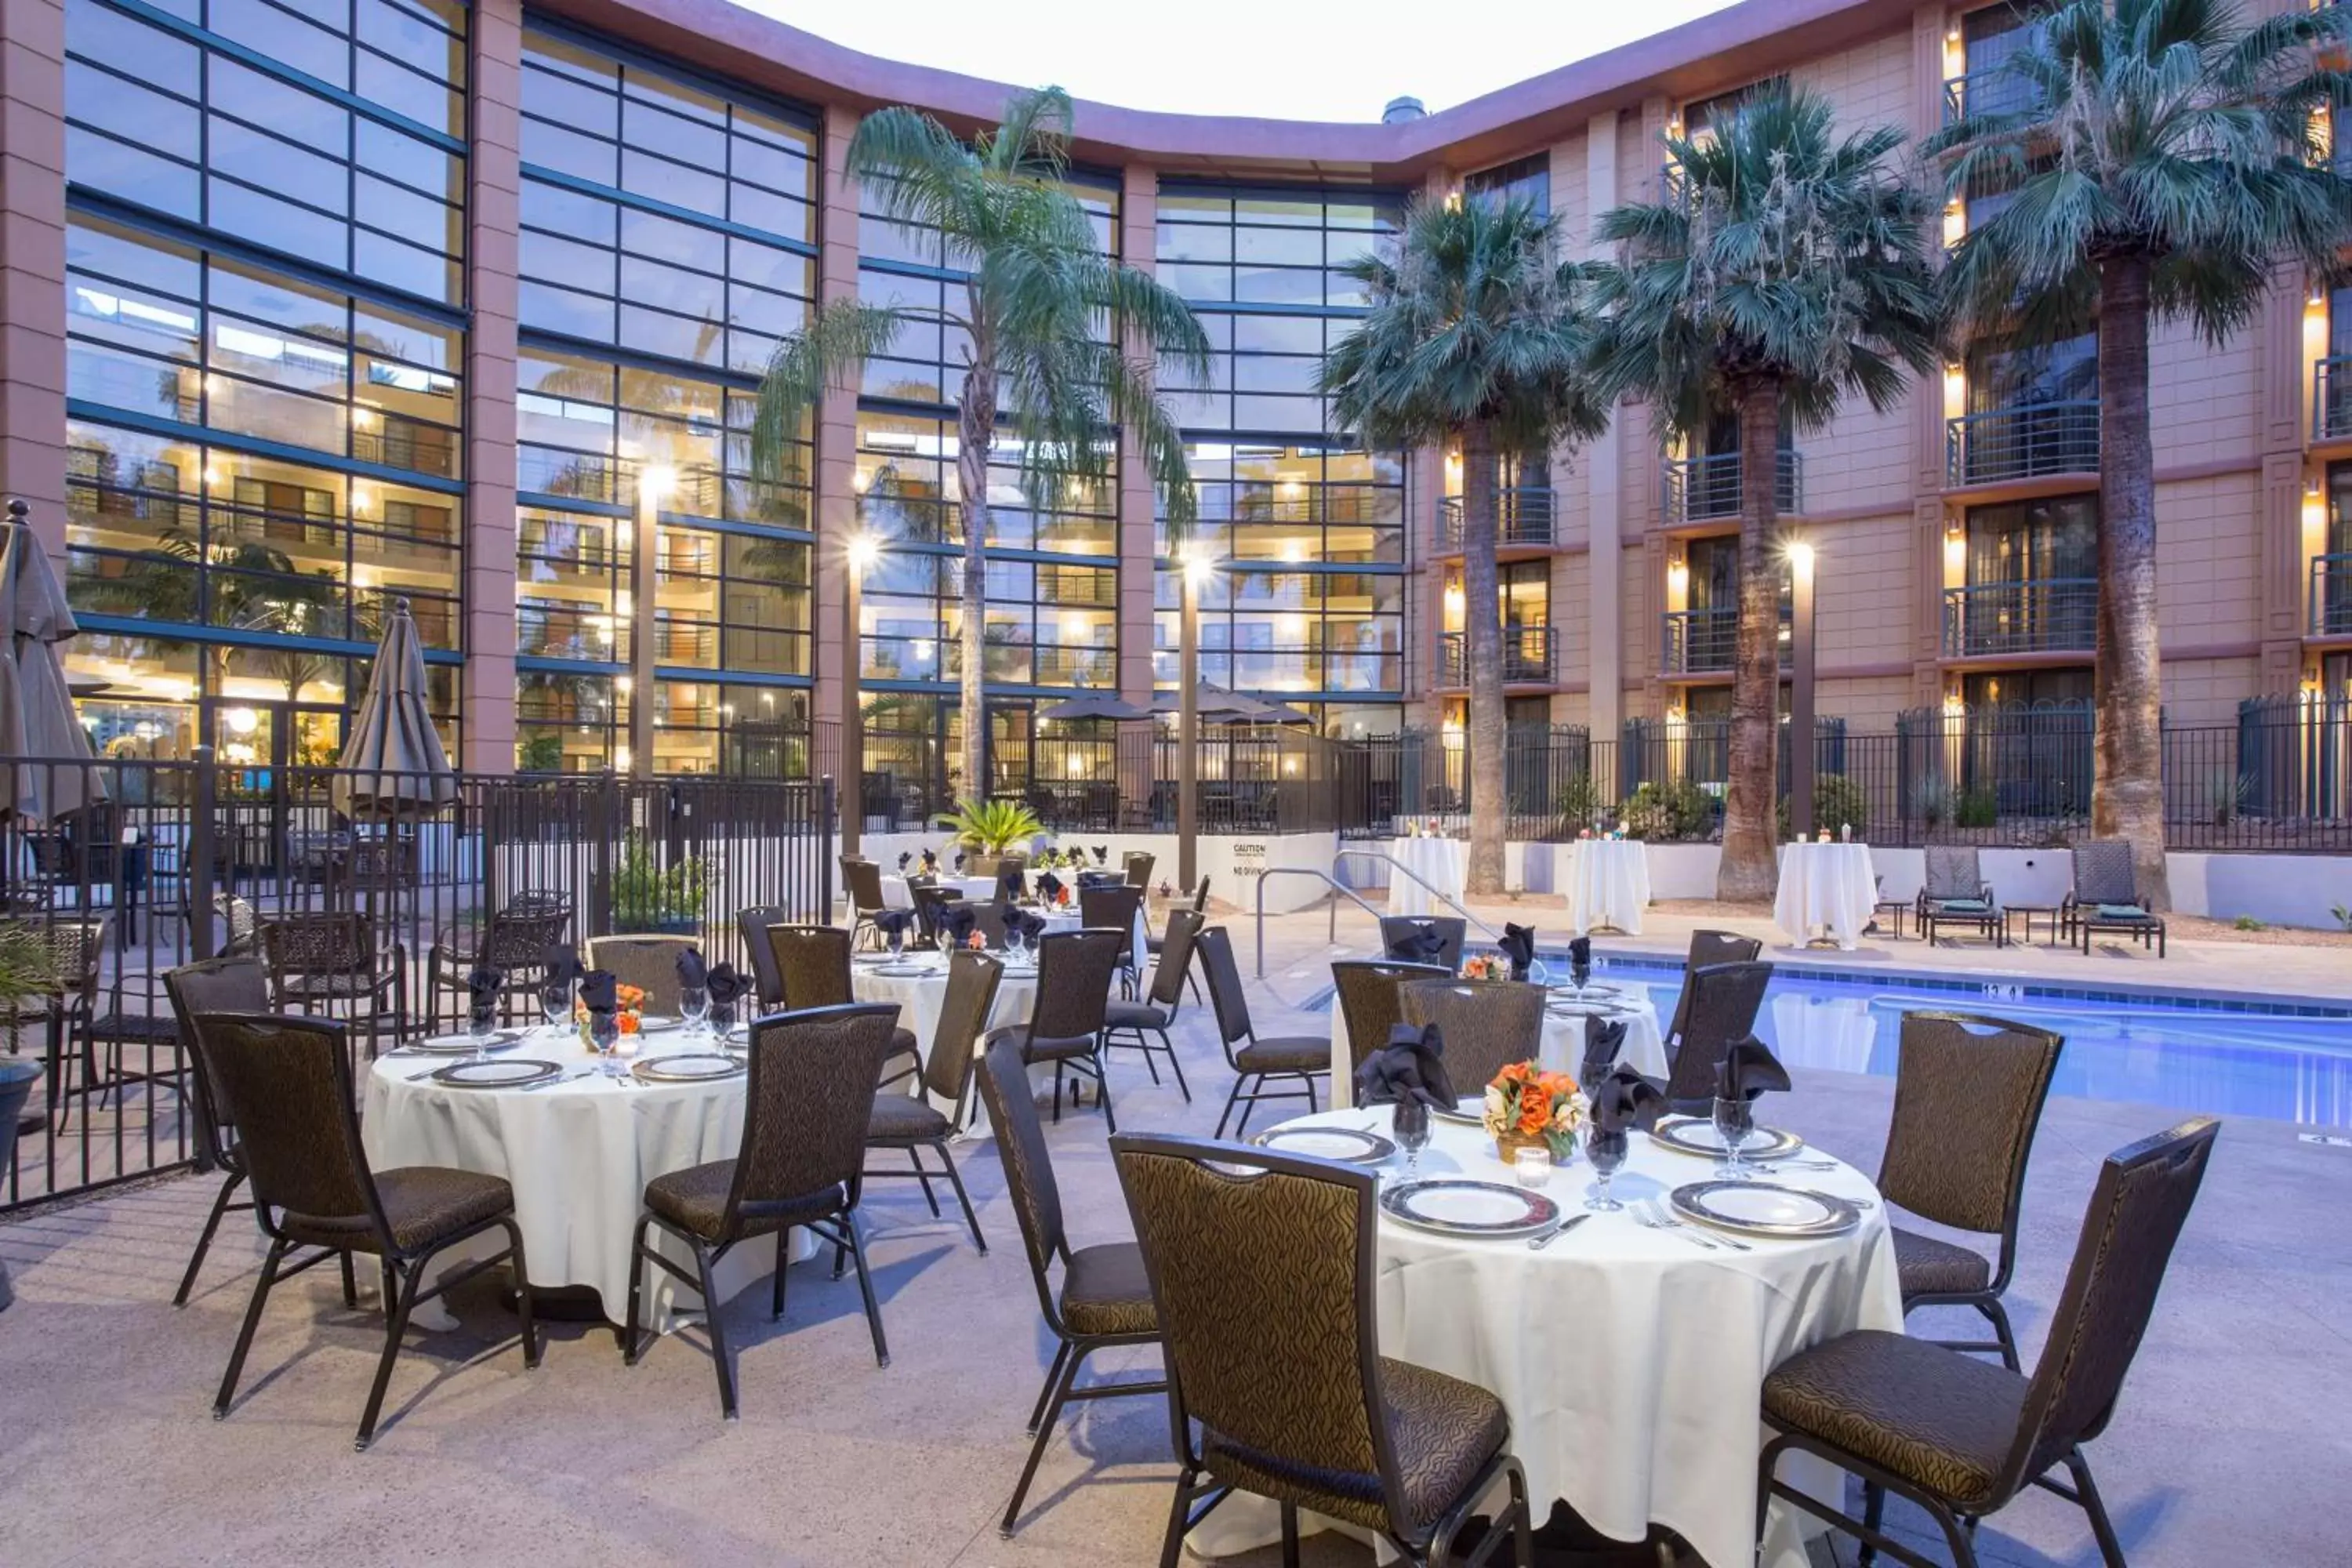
985, 829
27, 969
650, 897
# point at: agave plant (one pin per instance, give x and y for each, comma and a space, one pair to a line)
990, 828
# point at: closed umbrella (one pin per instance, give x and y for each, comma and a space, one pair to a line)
36, 711
1093, 707
395, 764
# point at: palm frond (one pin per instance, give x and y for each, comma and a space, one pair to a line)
829, 352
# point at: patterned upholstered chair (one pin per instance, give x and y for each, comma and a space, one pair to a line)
320, 961
913, 1122
767, 980
1257, 1063
647, 962
1707, 949
285, 1084
1065, 1026
1968, 1093
1723, 1002
216, 985
1112, 907
1955, 894
1487, 1025
1132, 1023
812, 964
806, 1109
1321, 1420
1369, 994
861, 879
1453, 929
1137, 864
1104, 1300
1154, 943
514, 941
1960, 1436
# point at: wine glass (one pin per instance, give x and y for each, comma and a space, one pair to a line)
897, 942
1580, 969
1607, 1152
555, 1008
1537, 974
482, 1026
605, 1034
722, 1018
1733, 1123
694, 1006
1409, 1122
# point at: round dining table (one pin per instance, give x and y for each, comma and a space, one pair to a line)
1631, 1359
1645, 1049
897, 894
1825, 888
917, 981
1608, 884
1440, 863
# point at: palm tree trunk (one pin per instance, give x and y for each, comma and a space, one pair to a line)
1481, 622
2128, 789
1748, 870
975, 433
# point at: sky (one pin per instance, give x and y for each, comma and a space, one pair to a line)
1289, 59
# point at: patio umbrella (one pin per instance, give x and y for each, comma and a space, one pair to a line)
1215, 705
36, 710
1094, 707
393, 764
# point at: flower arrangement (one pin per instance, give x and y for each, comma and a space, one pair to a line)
976, 942
1485, 967
629, 1015
1527, 1106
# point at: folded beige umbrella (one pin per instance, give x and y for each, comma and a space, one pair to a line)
393, 764
37, 721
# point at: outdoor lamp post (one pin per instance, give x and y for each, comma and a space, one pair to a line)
1194, 572
1803, 756
859, 551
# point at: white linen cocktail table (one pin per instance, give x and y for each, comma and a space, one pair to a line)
1608, 884
1441, 863
1828, 888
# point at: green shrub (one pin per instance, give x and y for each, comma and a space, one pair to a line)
1976, 808
1838, 801
1579, 803
1675, 809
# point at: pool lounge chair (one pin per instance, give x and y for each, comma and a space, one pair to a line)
2106, 898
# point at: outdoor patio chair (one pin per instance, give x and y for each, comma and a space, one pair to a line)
240, 923
1487, 1025
1153, 942
1256, 1063
322, 961
861, 879
1137, 864
285, 1084
199, 990
1066, 1026
1453, 929
514, 941
1955, 894
1709, 948
1131, 1022
767, 980
1103, 1301
929, 900
2106, 898
1320, 1419
1368, 993
912, 1123
1961, 1437
76, 952
812, 970
1724, 1001
806, 1105
1968, 1093
646, 961
1114, 908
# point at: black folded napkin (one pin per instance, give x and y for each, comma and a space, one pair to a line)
1049, 888
1020, 922
1010, 884
597, 991
1102, 853
560, 966
484, 984
905, 856
1409, 1067
1749, 1069
1579, 951
894, 922
1603, 1038
931, 862
1419, 944
958, 859
726, 986
692, 974
956, 920
1518, 945
1624, 1100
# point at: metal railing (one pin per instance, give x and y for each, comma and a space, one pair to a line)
1697, 489
2030, 441
2331, 399
1330, 878
1529, 657
2331, 596
1996, 89
2048, 615
1706, 642
1525, 515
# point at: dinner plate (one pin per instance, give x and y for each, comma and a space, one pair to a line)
1760, 1208
1468, 1113
1694, 1135
655, 1024
509, 1072
1351, 1144
1560, 1007
1452, 1205
685, 1067
462, 1044
903, 970
1590, 991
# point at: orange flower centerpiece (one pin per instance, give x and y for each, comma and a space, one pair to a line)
1485, 967
1527, 1108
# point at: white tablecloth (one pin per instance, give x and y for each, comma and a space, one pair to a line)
1826, 887
1608, 884
1630, 1361
1440, 862
1563, 1041
919, 998
896, 895
579, 1155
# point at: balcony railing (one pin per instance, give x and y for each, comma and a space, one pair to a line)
1706, 642
2331, 399
1996, 89
1528, 657
2003, 445
2050, 614
2331, 596
1698, 488
1525, 516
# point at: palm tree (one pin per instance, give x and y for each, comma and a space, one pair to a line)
1065, 337
1786, 270
254, 587
1476, 338
2161, 158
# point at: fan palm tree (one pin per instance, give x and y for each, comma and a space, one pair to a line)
1786, 271
1060, 341
2161, 157
254, 587
1476, 337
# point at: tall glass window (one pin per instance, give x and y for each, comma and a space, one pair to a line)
1527, 179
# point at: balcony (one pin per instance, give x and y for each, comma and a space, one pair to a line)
1528, 657
1995, 89
1525, 519
1706, 642
2051, 615
2331, 399
1701, 489
2002, 446
2331, 596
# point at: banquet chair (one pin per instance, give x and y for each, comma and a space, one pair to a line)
285, 1084
1237, 1241
1709, 948
1487, 1025
1724, 999
514, 941
75, 948
1255, 1062
767, 980
812, 970
1367, 995
238, 985
1963, 1438
1113, 907
929, 901
807, 1108
1065, 1026
319, 959
1103, 1301
1454, 929
647, 962
861, 879
1137, 864
1153, 943
1130, 1023
911, 1122
1968, 1093
2106, 898
988, 919
1955, 893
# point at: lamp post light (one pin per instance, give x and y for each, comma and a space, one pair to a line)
859, 551
656, 482
1803, 756
1195, 570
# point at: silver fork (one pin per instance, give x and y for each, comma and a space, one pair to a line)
1647, 1215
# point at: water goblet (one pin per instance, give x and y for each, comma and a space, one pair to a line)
694, 1007
481, 1027
898, 944
1607, 1152
555, 1008
605, 1034
722, 1019
1409, 1122
1537, 974
1579, 973
1733, 1123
